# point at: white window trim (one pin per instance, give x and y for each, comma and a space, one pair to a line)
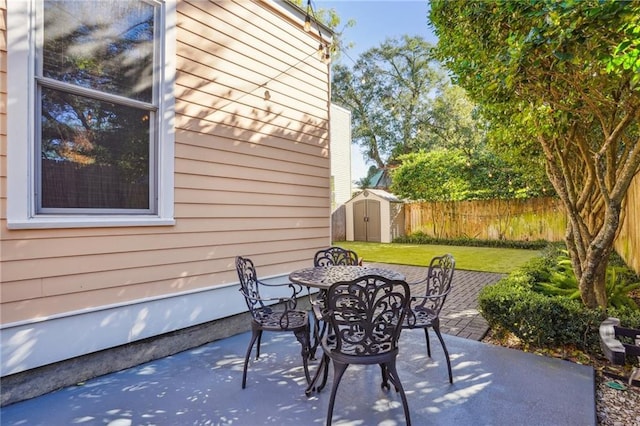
21, 130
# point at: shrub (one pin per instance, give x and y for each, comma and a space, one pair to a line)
558, 279
421, 238
619, 287
512, 305
539, 320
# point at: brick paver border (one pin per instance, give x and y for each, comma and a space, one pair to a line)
460, 316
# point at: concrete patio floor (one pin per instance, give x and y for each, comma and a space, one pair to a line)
492, 386
202, 386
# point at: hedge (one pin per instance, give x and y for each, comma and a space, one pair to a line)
544, 321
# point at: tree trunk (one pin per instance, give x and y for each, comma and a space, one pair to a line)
592, 284
592, 271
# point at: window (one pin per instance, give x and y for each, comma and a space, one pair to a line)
91, 116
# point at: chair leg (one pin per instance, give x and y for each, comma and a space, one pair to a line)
316, 341
391, 370
436, 328
318, 332
325, 360
322, 370
426, 336
259, 341
338, 371
385, 377
254, 336
319, 326
314, 346
305, 341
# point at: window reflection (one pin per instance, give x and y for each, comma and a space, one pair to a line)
102, 45
97, 151
95, 154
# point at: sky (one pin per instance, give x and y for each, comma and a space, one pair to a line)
376, 20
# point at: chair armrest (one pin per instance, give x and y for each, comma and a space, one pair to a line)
289, 302
296, 289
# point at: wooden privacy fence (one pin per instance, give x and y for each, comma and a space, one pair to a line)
520, 220
339, 224
628, 241
71, 185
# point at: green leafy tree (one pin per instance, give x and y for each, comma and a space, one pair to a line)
458, 123
437, 175
390, 91
452, 175
402, 103
565, 76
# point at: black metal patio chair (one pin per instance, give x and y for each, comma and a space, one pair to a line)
331, 256
425, 310
365, 316
267, 317
335, 256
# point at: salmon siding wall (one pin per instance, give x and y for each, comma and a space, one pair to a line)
251, 174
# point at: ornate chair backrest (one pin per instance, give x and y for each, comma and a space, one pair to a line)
439, 280
249, 285
335, 256
366, 314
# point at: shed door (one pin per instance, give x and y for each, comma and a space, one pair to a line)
359, 224
366, 221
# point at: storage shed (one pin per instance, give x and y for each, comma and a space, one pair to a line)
374, 215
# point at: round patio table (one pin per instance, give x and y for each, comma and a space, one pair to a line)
322, 277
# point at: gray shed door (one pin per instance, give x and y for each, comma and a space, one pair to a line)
366, 221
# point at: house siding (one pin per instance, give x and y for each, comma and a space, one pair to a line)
3, 123
340, 154
252, 174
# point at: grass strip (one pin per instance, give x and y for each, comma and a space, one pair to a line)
484, 259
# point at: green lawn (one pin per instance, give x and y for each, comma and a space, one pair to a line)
486, 259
